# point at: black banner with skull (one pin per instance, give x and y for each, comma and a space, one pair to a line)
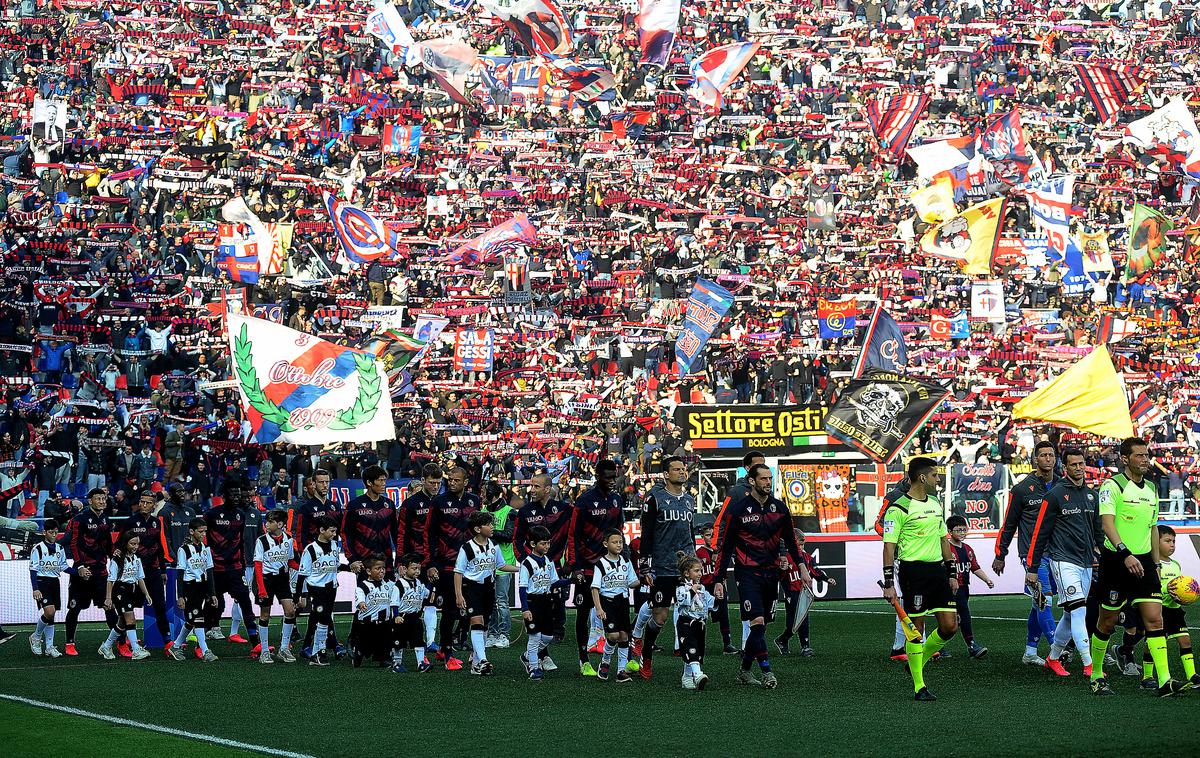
879, 412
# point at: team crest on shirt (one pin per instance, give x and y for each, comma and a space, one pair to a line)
919, 602
1113, 596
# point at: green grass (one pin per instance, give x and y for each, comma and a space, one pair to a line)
847, 700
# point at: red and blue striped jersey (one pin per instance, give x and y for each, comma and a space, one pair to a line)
367, 528
752, 535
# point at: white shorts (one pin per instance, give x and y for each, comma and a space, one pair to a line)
1073, 582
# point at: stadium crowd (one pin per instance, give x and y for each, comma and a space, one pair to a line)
110, 228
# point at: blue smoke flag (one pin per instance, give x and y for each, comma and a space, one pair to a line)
884, 346
706, 307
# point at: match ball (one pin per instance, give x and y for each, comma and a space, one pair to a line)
1184, 589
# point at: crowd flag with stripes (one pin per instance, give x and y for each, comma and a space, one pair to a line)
1050, 207
401, 140
630, 124
716, 70
495, 242
1110, 88
708, 304
363, 237
1145, 413
386, 23
658, 23
893, 120
540, 25
1112, 328
299, 389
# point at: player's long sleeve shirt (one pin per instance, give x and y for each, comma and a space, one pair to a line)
446, 528
666, 531
226, 537
753, 535
152, 540
1024, 502
554, 515
90, 541
368, 527
410, 523
302, 523
593, 515
1067, 527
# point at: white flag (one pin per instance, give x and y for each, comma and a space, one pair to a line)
235, 211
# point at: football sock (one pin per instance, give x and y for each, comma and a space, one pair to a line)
289, 628
581, 635
532, 646
639, 626
131, 635
651, 636
264, 632
201, 638
320, 638
112, 638
1077, 618
745, 633
48, 635
1147, 665
1099, 648
181, 638
41, 627
675, 627
915, 651
1185, 656
1033, 632
1156, 643
622, 655
933, 643
1046, 622
429, 619
479, 642
756, 644
235, 619
607, 655
420, 653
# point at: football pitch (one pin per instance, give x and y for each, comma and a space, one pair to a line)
848, 700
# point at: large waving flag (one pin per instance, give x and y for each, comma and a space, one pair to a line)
298, 389
386, 23
836, 319
1147, 241
1088, 396
934, 203
892, 121
969, 238
658, 23
588, 81
540, 25
1050, 205
715, 70
1110, 88
448, 62
1003, 143
401, 139
495, 242
630, 124
706, 307
239, 258
883, 347
363, 238
235, 211
1170, 133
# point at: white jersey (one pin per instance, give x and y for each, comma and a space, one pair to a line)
273, 553
409, 595
693, 602
130, 573
377, 597
614, 578
478, 563
319, 564
195, 562
47, 560
537, 576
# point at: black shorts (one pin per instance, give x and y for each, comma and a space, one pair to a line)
662, 591
83, 593
232, 583
541, 608
925, 588
320, 603
757, 591
481, 599
443, 591
1118, 586
126, 597
372, 638
195, 599
410, 632
1174, 622
616, 614
51, 592
278, 587
582, 596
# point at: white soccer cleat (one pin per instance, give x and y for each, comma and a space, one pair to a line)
215, 634
139, 654
209, 657
35, 644
689, 682
548, 664
1032, 659
501, 642
53, 652
265, 657
106, 652
286, 655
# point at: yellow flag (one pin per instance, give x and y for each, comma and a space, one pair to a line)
968, 238
1088, 396
934, 203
